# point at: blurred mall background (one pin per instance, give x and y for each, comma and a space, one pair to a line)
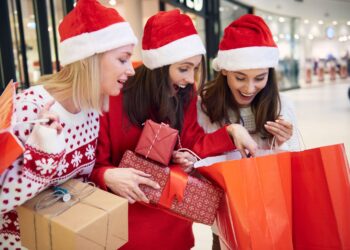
313, 35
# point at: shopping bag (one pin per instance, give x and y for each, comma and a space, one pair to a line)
11, 148
258, 192
321, 199
157, 142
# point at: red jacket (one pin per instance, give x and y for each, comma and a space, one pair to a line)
151, 228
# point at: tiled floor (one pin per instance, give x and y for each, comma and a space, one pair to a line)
323, 113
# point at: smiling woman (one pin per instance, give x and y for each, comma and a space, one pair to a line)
163, 89
96, 62
245, 91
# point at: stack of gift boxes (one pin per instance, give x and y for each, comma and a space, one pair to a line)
95, 219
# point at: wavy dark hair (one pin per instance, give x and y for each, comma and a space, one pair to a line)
217, 100
147, 95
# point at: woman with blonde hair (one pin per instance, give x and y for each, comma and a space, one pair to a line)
96, 46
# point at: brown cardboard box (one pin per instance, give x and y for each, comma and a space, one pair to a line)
96, 220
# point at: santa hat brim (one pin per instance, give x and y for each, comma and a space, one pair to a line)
87, 44
246, 58
173, 52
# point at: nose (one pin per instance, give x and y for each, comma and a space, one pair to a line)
250, 88
190, 78
130, 71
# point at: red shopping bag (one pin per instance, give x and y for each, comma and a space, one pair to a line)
321, 199
258, 191
11, 147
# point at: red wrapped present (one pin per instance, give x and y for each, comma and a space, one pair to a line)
183, 195
157, 142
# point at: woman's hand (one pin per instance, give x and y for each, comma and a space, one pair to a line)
185, 160
281, 129
54, 121
125, 182
242, 139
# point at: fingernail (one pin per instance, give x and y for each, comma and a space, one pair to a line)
157, 186
269, 122
277, 120
185, 160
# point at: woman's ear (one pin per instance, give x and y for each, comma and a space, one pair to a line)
224, 72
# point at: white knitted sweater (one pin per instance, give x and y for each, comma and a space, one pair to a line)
248, 121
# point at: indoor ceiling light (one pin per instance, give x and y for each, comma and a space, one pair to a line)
31, 25
348, 23
281, 19
335, 22
306, 21
320, 22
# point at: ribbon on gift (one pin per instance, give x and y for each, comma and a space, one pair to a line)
175, 186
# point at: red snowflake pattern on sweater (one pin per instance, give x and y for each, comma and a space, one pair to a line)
49, 159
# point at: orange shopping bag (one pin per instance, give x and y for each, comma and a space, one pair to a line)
10, 146
321, 199
258, 191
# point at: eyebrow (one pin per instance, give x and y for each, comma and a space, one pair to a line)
188, 63
127, 53
262, 74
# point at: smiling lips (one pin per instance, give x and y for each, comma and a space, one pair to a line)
246, 95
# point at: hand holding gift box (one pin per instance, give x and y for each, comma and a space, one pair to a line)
92, 219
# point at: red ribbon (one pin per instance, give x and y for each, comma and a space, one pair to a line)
175, 186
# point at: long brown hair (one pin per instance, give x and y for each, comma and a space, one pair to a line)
217, 100
147, 95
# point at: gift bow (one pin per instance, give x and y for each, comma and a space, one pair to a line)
175, 186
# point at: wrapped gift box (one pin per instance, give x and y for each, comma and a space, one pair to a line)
201, 198
92, 219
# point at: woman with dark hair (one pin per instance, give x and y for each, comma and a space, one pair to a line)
162, 90
246, 91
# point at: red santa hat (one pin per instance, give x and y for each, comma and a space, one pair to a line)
169, 37
247, 44
91, 28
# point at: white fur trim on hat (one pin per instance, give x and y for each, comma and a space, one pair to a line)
246, 58
173, 52
88, 44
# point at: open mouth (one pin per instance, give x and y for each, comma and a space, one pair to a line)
122, 82
246, 95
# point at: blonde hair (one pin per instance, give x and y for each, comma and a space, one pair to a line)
80, 81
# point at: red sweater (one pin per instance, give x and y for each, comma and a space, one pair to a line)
149, 228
